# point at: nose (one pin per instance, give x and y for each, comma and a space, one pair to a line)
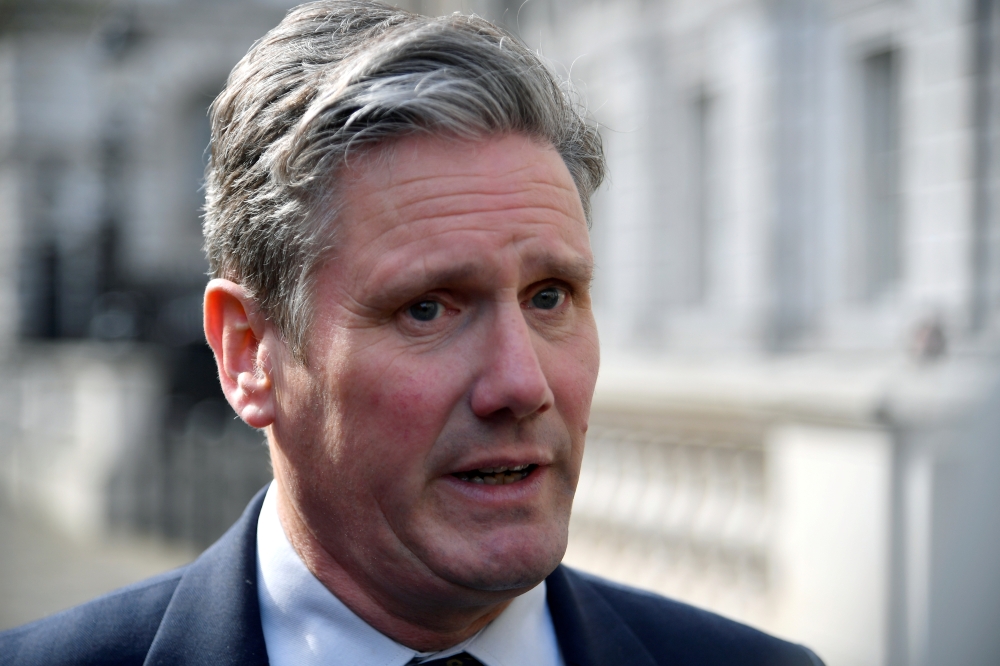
511, 377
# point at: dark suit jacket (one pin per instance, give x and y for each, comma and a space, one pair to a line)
207, 613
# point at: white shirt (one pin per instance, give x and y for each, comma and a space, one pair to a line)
305, 624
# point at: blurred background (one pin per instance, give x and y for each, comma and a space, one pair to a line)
797, 422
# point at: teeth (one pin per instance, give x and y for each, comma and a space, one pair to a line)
501, 468
495, 476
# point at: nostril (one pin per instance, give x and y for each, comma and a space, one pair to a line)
512, 399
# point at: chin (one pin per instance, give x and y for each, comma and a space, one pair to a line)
514, 567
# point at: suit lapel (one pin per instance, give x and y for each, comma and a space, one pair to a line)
213, 618
589, 631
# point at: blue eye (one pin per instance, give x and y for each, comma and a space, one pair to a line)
547, 299
426, 310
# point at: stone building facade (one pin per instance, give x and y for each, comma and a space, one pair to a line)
797, 296
114, 411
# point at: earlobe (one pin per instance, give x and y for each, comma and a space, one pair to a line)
235, 332
253, 395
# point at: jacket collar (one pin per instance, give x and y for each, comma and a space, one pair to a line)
213, 618
589, 630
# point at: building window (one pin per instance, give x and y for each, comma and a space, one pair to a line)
705, 196
986, 166
881, 228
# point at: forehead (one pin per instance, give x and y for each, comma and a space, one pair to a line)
433, 204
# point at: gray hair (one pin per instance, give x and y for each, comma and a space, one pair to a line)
338, 76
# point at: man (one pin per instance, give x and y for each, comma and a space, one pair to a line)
397, 226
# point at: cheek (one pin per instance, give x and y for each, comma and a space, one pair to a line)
572, 372
401, 406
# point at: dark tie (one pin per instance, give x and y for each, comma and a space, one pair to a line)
462, 659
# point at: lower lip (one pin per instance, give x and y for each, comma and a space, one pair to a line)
523, 489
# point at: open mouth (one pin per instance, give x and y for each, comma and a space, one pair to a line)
496, 476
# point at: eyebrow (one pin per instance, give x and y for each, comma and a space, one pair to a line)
577, 270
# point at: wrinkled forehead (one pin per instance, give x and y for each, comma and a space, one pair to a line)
421, 177
446, 207
392, 161
397, 164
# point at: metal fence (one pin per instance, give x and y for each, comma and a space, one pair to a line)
94, 439
197, 482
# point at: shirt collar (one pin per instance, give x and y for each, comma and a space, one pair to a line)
305, 624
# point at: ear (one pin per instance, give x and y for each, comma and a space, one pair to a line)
234, 329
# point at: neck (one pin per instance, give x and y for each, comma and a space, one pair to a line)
420, 621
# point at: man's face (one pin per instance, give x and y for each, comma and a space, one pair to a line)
453, 336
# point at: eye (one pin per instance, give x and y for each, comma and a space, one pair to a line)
426, 310
547, 299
